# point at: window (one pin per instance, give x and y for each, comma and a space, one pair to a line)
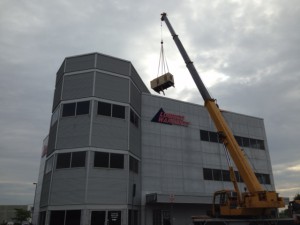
78, 159
207, 174
118, 111
263, 178
70, 160
107, 109
204, 135
260, 144
76, 108
57, 217
49, 165
69, 109
83, 108
98, 218
133, 164
63, 160
239, 140
73, 217
101, 159
109, 160
116, 161
54, 117
217, 175
242, 141
68, 217
213, 137
224, 175
104, 109
134, 118
246, 142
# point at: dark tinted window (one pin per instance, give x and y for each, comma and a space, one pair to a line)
207, 174
104, 109
101, 159
263, 178
78, 159
63, 160
134, 118
217, 174
226, 175
246, 142
57, 217
69, 109
261, 144
83, 108
204, 135
116, 161
98, 218
239, 140
213, 137
253, 143
118, 111
73, 217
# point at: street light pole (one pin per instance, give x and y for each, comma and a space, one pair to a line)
32, 211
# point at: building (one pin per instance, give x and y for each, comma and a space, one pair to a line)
118, 154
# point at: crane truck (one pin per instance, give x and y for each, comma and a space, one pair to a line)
256, 202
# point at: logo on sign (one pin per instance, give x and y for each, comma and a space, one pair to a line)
169, 118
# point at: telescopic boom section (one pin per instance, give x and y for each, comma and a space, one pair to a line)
228, 139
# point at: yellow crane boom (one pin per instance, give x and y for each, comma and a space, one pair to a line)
256, 201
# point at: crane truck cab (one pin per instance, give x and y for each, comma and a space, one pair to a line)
224, 202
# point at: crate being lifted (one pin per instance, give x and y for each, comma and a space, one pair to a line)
162, 82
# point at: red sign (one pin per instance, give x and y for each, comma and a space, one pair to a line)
169, 118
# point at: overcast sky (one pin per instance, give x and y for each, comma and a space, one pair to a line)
247, 53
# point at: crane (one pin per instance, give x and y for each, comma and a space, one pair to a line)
231, 203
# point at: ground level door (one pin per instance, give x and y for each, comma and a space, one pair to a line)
161, 217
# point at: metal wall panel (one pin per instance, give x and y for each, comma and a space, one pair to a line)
45, 190
52, 139
79, 63
107, 186
135, 98
109, 132
68, 186
112, 64
134, 179
112, 87
57, 95
138, 81
173, 156
60, 73
73, 132
78, 86
135, 140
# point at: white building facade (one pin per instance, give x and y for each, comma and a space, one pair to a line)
119, 155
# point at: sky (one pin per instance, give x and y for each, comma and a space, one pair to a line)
247, 53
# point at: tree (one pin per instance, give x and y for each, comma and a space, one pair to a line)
22, 215
297, 196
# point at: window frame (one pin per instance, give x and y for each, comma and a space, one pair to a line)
76, 112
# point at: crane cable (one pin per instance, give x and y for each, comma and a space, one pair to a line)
162, 64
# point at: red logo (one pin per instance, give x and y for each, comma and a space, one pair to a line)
169, 118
